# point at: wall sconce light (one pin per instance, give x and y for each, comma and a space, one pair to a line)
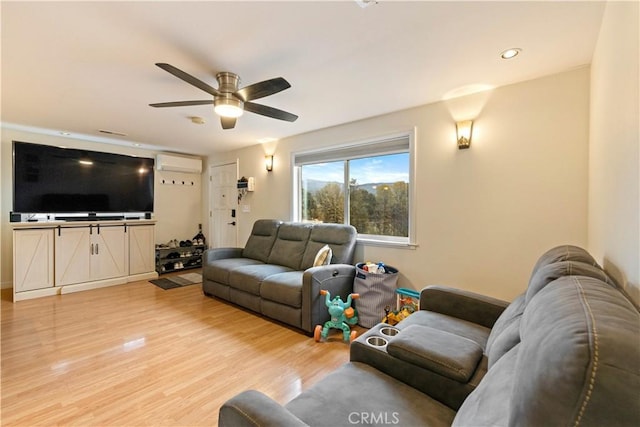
268, 163
463, 130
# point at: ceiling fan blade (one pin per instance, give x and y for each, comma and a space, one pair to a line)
269, 112
228, 122
188, 78
262, 89
181, 103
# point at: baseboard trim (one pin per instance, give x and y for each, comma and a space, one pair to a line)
78, 287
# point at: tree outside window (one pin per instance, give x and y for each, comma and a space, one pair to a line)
376, 197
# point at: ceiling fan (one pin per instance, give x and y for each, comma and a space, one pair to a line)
228, 101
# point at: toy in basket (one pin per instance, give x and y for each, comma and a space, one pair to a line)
407, 302
342, 316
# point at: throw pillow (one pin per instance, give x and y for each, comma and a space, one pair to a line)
323, 257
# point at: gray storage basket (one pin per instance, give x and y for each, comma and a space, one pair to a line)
376, 292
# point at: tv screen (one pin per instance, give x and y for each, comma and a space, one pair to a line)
49, 179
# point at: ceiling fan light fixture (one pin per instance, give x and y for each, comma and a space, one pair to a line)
228, 107
228, 101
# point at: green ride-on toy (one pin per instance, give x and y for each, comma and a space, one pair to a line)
342, 316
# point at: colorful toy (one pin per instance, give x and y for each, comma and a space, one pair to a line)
407, 302
407, 298
342, 316
395, 316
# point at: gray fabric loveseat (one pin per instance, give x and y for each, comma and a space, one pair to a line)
565, 352
274, 273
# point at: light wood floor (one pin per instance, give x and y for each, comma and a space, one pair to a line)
136, 355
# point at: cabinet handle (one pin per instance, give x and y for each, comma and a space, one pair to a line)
97, 247
92, 249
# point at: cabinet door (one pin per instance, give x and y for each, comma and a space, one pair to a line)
141, 249
32, 259
109, 258
73, 247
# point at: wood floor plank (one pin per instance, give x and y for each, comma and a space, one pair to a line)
137, 355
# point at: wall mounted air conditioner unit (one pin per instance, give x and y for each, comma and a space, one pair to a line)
167, 162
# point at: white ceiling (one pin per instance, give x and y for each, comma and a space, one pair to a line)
84, 66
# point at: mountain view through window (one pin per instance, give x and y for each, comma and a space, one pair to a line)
370, 193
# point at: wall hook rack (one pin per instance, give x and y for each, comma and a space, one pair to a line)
177, 182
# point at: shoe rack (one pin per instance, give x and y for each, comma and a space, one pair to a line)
175, 256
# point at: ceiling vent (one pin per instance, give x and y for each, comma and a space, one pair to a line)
166, 162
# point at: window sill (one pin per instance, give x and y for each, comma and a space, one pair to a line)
386, 243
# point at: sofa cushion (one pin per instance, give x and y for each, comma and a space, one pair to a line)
579, 356
550, 272
261, 240
220, 269
463, 328
341, 239
564, 253
505, 333
509, 338
290, 245
250, 277
285, 288
357, 394
444, 353
488, 405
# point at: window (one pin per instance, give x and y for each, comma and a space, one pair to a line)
367, 185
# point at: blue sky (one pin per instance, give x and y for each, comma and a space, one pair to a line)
391, 168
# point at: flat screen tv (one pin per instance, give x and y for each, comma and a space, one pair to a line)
49, 179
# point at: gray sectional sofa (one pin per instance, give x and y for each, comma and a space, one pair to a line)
274, 274
565, 352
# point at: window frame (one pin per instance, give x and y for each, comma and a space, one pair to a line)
373, 146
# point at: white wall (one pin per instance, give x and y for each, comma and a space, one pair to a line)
484, 214
177, 209
614, 147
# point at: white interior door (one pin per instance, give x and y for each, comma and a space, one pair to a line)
223, 196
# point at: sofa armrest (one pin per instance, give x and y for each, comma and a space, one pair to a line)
335, 278
252, 409
221, 253
462, 304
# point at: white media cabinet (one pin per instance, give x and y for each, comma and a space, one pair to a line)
57, 257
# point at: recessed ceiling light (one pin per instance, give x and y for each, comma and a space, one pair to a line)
510, 53
135, 144
65, 133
